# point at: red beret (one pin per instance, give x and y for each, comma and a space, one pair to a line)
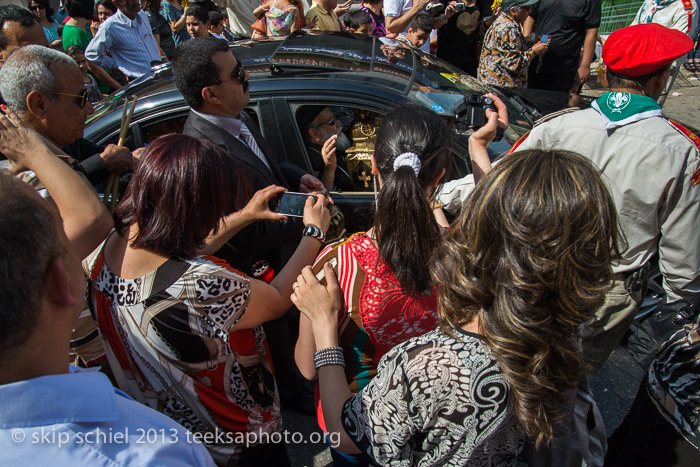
642, 49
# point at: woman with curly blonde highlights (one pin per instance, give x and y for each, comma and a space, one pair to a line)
527, 263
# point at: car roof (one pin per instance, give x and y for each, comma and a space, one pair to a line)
358, 60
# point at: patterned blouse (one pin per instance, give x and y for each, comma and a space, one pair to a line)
674, 382
376, 312
436, 400
504, 55
169, 341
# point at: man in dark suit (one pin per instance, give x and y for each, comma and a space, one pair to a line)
215, 86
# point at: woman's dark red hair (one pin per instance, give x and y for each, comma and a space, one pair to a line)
180, 190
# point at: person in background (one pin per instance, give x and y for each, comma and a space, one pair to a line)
323, 15
94, 95
570, 25
501, 366
197, 22
240, 15
419, 31
174, 14
358, 21
41, 246
505, 56
457, 39
399, 15
125, 42
217, 28
374, 8
42, 9
18, 27
159, 27
74, 33
105, 9
281, 17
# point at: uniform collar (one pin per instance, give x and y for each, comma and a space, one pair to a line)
622, 108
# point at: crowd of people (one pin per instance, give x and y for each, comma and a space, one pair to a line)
459, 329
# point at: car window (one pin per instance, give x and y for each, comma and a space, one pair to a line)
355, 130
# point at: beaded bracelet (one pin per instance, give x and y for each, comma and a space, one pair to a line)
329, 356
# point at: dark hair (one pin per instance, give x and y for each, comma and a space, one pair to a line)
422, 22
530, 256
107, 4
47, 6
306, 115
59, 30
406, 246
153, 5
193, 68
180, 190
355, 19
15, 13
28, 244
80, 8
73, 50
200, 13
372, 2
215, 18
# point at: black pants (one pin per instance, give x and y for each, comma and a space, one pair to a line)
559, 82
646, 439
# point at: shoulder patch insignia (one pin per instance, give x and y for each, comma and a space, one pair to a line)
694, 139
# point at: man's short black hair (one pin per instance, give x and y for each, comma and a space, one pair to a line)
15, 13
355, 19
422, 22
215, 18
193, 68
198, 12
79, 8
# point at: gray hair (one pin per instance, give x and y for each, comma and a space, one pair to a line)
31, 68
28, 244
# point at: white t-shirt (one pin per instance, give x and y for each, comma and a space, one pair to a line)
398, 8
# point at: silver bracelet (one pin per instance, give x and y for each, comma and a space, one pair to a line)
329, 356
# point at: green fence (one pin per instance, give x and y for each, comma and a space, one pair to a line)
617, 14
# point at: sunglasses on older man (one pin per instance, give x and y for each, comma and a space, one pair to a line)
83, 96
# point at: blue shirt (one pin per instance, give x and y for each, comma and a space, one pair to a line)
130, 44
79, 418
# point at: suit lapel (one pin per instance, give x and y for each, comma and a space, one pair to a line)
239, 150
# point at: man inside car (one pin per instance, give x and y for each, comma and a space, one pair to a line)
321, 131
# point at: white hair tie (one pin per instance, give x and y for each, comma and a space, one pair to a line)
408, 159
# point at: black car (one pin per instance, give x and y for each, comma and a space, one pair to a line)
360, 77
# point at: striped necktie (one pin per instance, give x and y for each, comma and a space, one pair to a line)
248, 139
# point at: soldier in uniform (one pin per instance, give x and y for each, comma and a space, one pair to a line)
652, 167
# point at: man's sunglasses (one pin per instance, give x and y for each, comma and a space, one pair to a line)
330, 122
237, 74
83, 96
